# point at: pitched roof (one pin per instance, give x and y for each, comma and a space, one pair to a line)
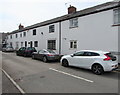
91, 10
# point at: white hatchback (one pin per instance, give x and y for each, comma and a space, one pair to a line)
97, 61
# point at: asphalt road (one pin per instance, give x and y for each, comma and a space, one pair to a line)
34, 76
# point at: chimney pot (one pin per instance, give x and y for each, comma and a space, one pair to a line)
21, 26
71, 9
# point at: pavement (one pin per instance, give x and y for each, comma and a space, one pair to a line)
35, 76
8, 86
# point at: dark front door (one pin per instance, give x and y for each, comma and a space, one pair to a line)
31, 44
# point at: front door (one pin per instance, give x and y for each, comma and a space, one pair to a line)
31, 44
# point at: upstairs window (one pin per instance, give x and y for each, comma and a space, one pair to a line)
24, 34
73, 23
34, 32
10, 36
117, 16
51, 29
16, 35
20, 34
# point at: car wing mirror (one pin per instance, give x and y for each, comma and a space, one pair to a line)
72, 55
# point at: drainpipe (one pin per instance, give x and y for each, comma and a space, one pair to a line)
60, 37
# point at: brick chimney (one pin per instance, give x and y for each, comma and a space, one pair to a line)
21, 26
71, 9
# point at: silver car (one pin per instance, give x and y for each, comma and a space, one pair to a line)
8, 49
46, 55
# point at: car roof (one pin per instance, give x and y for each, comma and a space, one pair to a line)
97, 51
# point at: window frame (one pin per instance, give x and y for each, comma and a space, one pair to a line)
20, 34
10, 36
16, 35
73, 23
73, 44
35, 43
116, 16
51, 28
24, 34
51, 44
34, 32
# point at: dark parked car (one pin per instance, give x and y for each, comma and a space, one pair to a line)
23, 51
8, 49
46, 55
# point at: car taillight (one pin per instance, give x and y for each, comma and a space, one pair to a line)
107, 59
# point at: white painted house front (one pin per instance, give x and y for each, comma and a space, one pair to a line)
95, 28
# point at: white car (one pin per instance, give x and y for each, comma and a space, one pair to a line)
97, 61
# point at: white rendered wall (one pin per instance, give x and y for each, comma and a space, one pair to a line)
42, 39
94, 32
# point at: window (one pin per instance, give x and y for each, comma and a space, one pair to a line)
91, 54
24, 34
17, 45
10, 36
73, 44
35, 43
16, 35
52, 44
21, 44
51, 28
34, 32
20, 34
117, 16
73, 22
79, 54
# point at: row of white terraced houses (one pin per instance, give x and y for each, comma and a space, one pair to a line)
95, 28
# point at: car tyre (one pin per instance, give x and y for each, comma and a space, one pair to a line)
65, 63
97, 69
45, 59
17, 54
33, 56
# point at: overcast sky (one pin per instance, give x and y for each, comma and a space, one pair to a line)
29, 12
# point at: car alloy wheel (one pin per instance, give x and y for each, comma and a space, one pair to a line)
44, 59
65, 63
97, 69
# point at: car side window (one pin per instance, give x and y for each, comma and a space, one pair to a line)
42, 51
79, 54
91, 54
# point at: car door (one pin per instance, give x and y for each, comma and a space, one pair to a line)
76, 59
36, 55
21, 51
41, 54
88, 59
